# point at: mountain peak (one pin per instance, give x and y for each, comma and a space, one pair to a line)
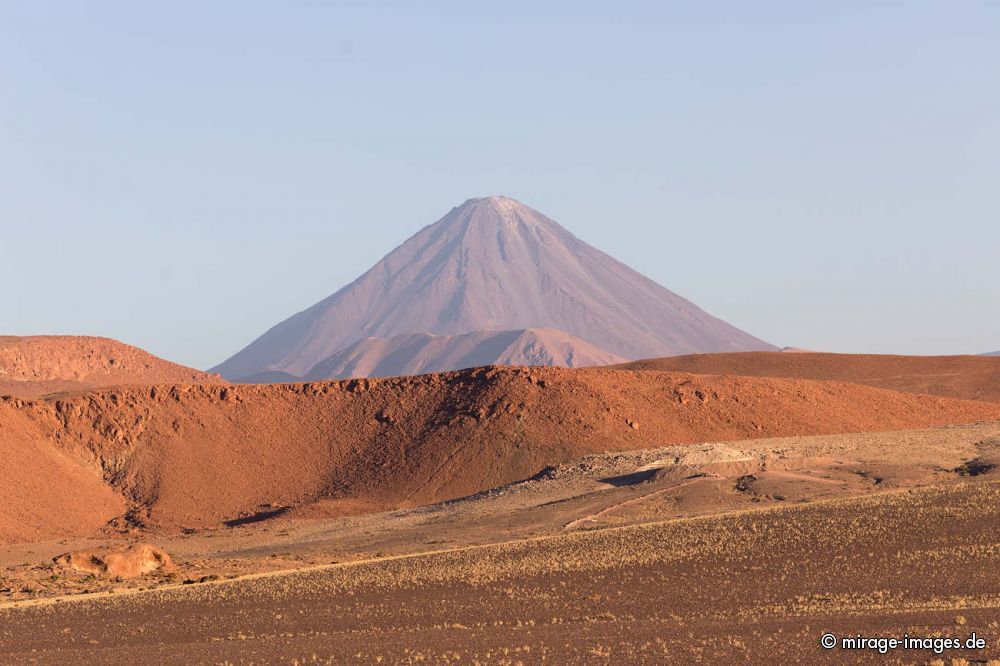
498, 201
498, 212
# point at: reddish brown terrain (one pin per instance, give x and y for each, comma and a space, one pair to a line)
966, 377
499, 515
38, 365
200, 455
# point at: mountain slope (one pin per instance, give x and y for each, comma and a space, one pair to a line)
36, 365
421, 353
488, 265
966, 377
199, 455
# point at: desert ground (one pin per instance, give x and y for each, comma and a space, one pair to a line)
717, 551
501, 515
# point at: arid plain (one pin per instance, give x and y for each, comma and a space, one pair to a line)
511, 515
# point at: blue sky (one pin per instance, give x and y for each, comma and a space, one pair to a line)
184, 175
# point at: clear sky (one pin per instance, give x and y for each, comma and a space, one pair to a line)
183, 175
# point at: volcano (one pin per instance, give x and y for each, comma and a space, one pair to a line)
491, 264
